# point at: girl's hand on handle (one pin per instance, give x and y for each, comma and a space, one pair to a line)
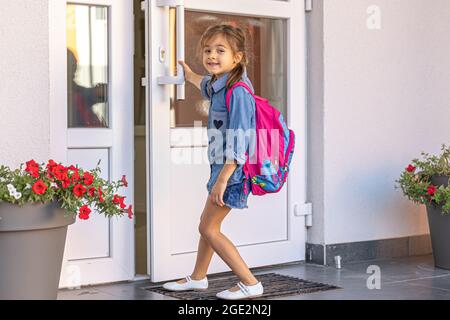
187, 70
190, 75
217, 192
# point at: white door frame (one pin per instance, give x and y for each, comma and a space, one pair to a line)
294, 12
118, 139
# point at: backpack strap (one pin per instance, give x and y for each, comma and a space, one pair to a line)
230, 92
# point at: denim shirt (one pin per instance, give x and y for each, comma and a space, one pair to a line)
221, 123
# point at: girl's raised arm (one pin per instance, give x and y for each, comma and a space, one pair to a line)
190, 75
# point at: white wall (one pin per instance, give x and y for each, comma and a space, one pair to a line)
315, 122
376, 99
24, 81
385, 99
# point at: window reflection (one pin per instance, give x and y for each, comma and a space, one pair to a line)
87, 66
267, 47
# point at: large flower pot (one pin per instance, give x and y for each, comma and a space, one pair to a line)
439, 225
32, 240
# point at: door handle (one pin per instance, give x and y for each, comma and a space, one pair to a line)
177, 80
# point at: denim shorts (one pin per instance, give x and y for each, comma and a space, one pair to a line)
234, 196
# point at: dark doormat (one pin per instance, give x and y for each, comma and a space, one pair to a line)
275, 285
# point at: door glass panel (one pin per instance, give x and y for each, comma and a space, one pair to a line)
87, 66
266, 46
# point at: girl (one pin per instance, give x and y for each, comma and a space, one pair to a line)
225, 58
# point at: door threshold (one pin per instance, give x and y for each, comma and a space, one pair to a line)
140, 277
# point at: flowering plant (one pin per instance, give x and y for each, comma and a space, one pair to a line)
416, 180
75, 189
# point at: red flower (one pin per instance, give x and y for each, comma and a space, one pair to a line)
59, 171
32, 168
88, 178
119, 200
39, 187
130, 211
66, 183
92, 192
73, 168
431, 190
34, 174
410, 168
79, 190
84, 212
50, 165
124, 181
63, 176
32, 165
100, 195
116, 199
75, 176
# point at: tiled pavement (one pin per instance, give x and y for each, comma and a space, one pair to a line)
400, 278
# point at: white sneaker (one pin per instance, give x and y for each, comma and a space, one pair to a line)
245, 292
190, 284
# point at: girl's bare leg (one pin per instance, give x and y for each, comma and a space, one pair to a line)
210, 230
213, 240
204, 255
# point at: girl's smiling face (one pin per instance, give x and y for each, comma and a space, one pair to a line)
218, 56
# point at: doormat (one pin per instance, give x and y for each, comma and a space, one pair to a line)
275, 285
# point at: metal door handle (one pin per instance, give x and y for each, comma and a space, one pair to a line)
178, 80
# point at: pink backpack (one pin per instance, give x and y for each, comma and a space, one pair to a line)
268, 167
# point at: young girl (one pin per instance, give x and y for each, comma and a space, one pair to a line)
225, 59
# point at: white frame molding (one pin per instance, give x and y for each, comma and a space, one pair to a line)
121, 263
58, 80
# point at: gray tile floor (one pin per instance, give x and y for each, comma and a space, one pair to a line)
401, 278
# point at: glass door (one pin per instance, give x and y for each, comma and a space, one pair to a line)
267, 232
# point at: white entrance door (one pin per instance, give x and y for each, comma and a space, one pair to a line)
268, 232
98, 106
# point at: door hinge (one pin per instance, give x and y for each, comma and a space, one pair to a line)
305, 210
308, 5
143, 5
143, 82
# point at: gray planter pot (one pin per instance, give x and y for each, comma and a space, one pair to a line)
439, 228
32, 240
439, 180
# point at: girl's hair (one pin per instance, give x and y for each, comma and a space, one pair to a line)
236, 39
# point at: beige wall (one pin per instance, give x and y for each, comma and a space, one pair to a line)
376, 99
24, 81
